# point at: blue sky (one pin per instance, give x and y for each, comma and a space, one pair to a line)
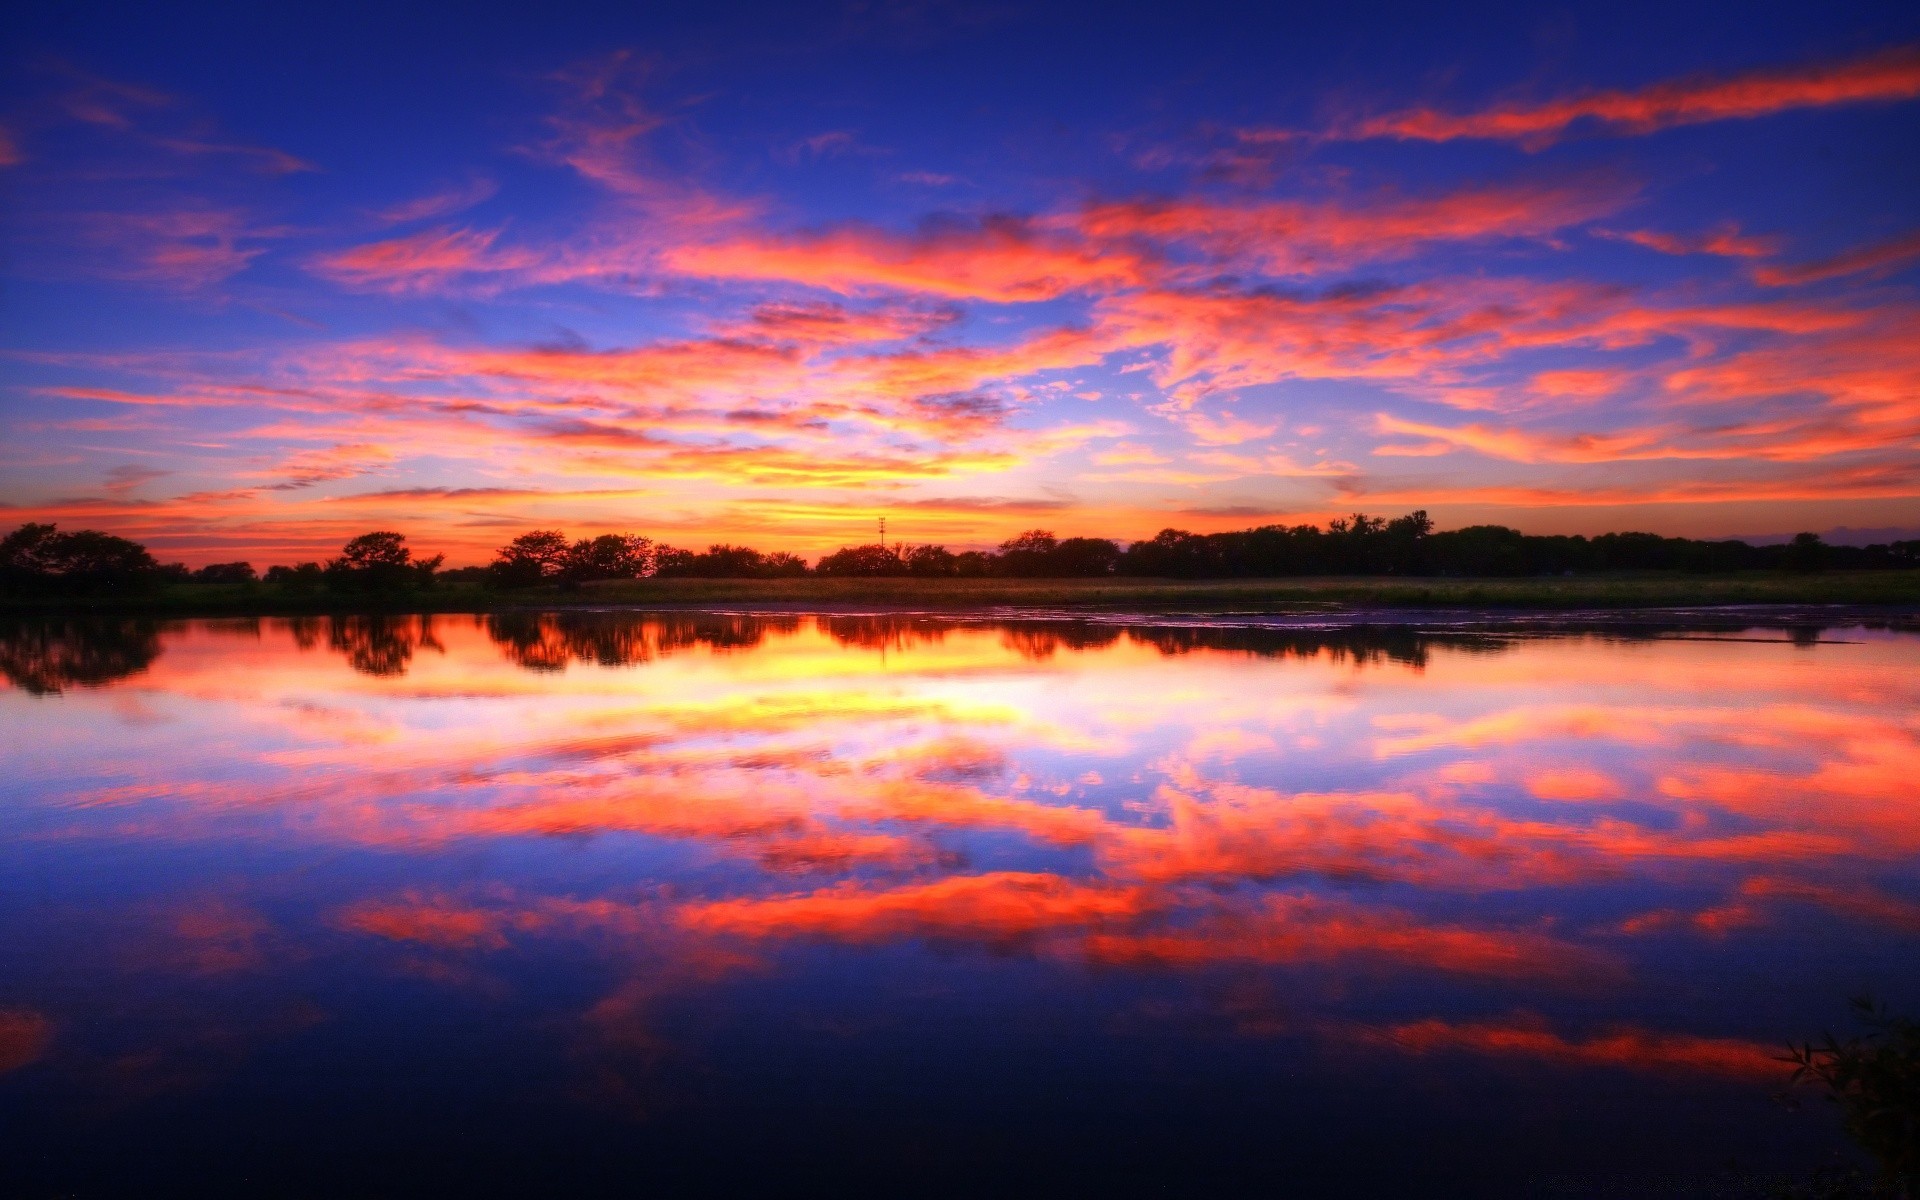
274, 276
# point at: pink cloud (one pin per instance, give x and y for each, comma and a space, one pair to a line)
1878, 259
1885, 77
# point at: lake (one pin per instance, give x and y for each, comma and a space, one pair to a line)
612, 903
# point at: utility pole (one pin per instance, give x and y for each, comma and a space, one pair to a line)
883, 533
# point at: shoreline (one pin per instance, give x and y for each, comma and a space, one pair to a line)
1300, 597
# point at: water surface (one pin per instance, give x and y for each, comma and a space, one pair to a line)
575, 903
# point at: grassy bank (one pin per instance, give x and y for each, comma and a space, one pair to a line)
1662, 590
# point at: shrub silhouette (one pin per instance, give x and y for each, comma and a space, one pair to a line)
1874, 1078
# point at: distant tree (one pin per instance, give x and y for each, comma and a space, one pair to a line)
1806, 552
783, 565
670, 562
1171, 553
722, 561
37, 557
27, 556
1482, 550
1028, 554
380, 562
729, 562
609, 556
301, 577
1081, 556
869, 560
233, 572
532, 558
929, 561
1405, 541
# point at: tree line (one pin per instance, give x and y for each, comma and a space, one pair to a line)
39, 559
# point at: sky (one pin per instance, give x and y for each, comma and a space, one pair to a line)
275, 275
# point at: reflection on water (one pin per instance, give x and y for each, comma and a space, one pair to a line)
42, 658
707, 902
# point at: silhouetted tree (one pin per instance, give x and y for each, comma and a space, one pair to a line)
728, 562
1027, 554
609, 556
39, 558
380, 562
1806, 552
233, 572
301, 577
870, 560
531, 558
929, 561
671, 562
1082, 556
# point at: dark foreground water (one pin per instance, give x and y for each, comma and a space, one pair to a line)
605, 904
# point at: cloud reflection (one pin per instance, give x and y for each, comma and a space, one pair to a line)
1486, 820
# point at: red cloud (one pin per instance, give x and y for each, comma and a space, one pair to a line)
1000, 259
1637, 1049
1001, 906
433, 923
1726, 242
1891, 75
1304, 928
24, 1037
1288, 237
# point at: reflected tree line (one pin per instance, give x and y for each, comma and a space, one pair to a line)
47, 656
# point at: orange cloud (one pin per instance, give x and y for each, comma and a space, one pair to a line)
1888, 76
995, 907
1288, 237
1000, 259
1574, 783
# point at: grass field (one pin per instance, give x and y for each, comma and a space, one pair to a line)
1663, 590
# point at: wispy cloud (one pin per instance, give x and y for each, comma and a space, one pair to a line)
441, 203
1877, 259
1883, 77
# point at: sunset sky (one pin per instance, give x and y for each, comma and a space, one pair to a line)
718, 272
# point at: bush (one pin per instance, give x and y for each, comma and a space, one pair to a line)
1874, 1080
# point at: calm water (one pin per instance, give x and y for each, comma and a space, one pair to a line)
554, 904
